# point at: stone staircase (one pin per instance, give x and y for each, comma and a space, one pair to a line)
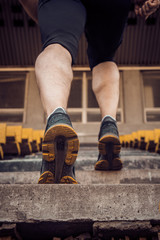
106, 205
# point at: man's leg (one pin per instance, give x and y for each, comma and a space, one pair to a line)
61, 24
106, 88
60, 145
30, 6
103, 41
54, 76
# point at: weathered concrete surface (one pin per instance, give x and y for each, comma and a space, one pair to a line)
58, 203
89, 230
82, 230
125, 176
87, 157
123, 229
49, 230
105, 204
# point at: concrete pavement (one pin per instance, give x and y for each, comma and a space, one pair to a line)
61, 203
105, 204
87, 177
87, 157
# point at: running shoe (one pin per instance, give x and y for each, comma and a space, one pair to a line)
109, 146
60, 148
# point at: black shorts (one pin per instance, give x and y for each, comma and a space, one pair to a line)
63, 22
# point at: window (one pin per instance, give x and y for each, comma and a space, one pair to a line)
82, 104
12, 96
151, 86
75, 98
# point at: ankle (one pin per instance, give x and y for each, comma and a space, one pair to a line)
106, 116
58, 108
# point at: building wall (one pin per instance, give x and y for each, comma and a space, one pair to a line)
134, 102
34, 109
131, 109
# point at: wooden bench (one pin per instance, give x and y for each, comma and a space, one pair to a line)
157, 140
135, 139
141, 139
27, 138
38, 139
3, 127
150, 140
13, 140
126, 140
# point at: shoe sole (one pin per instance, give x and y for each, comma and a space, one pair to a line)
61, 145
48, 178
108, 146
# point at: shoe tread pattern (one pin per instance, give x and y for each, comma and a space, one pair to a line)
48, 178
112, 152
72, 142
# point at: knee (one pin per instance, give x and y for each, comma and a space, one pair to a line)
56, 53
54, 56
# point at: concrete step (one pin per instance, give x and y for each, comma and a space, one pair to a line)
106, 205
87, 177
121, 230
101, 211
132, 159
72, 203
